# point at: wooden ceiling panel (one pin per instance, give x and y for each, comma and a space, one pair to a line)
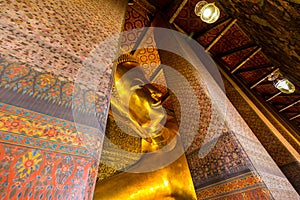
273, 25
294, 108
254, 76
206, 38
234, 59
284, 100
297, 121
266, 89
291, 114
257, 60
232, 39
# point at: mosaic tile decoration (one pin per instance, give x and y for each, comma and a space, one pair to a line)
272, 144
209, 122
118, 138
64, 39
265, 166
225, 160
31, 129
283, 158
259, 162
21, 78
244, 186
46, 47
135, 20
42, 157
37, 174
58, 34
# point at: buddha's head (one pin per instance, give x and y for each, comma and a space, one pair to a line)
140, 98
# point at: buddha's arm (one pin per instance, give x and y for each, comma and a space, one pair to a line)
171, 182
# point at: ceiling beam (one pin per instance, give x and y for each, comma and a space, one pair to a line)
295, 117
266, 83
142, 7
178, 10
290, 95
250, 69
292, 104
236, 50
272, 97
178, 28
292, 112
220, 22
280, 105
263, 78
263, 112
216, 39
246, 60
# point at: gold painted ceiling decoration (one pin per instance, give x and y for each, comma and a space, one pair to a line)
239, 50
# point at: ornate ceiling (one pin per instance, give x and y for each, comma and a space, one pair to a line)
249, 41
274, 25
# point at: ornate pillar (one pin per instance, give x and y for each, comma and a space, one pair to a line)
49, 146
225, 158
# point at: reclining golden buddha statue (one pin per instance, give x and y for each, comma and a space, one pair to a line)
162, 171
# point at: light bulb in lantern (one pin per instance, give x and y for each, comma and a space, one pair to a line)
208, 12
284, 85
281, 83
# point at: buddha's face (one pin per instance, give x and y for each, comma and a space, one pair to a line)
141, 98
